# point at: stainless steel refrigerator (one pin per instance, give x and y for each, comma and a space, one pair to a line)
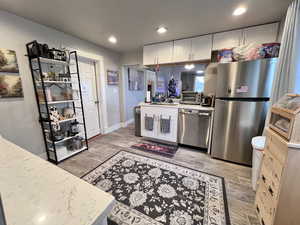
242, 97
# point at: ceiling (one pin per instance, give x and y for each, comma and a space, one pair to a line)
134, 22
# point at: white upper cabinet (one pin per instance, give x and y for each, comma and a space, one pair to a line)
150, 54
228, 39
165, 52
201, 47
182, 50
158, 53
192, 49
261, 34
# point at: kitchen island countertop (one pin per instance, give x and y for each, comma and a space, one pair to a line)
36, 192
179, 106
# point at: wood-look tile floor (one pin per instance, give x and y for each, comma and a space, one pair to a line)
237, 178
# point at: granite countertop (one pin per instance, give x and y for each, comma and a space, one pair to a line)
179, 106
36, 192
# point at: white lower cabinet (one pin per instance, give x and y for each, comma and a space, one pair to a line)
159, 122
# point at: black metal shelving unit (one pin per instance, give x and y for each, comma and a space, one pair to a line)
58, 89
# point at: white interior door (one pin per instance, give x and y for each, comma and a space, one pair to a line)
89, 96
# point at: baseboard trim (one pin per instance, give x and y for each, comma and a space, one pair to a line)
117, 126
112, 128
126, 123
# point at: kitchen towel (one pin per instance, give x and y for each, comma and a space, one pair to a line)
149, 121
165, 125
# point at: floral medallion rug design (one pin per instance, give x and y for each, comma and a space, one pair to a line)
154, 192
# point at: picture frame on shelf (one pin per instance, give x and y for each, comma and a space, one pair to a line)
112, 77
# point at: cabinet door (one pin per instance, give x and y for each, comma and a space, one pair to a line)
228, 39
182, 50
165, 52
172, 114
261, 34
201, 47
148, 111
150, 55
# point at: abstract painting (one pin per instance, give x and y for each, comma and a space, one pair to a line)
10, 86
8, 61
10, 80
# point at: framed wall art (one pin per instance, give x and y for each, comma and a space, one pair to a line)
10, 80
112, 77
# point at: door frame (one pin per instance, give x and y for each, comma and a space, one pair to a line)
100, 85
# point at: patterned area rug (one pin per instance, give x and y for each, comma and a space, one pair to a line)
163, 149
153, 192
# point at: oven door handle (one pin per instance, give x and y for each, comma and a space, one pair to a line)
204, 114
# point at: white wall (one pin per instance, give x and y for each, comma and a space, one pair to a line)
19, 117
132, 59
131, 98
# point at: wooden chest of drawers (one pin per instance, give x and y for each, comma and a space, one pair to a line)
278, 196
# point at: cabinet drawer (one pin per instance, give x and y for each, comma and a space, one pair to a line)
262, 215
268, 180
277, 148
274, 167
265, 206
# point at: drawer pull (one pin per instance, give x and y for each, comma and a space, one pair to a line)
271, 159
263, 178
257, 209
271, 191
263, 222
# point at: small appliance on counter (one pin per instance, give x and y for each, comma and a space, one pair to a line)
208, 101
190, 98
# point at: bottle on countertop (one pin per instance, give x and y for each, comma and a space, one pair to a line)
149, 92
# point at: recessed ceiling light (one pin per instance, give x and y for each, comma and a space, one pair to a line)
239, 11
112, 39
189, 66
200, 71
162, 30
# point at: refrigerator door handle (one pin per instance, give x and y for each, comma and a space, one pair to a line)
229, 90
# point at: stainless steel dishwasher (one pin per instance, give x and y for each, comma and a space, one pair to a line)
194, 127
